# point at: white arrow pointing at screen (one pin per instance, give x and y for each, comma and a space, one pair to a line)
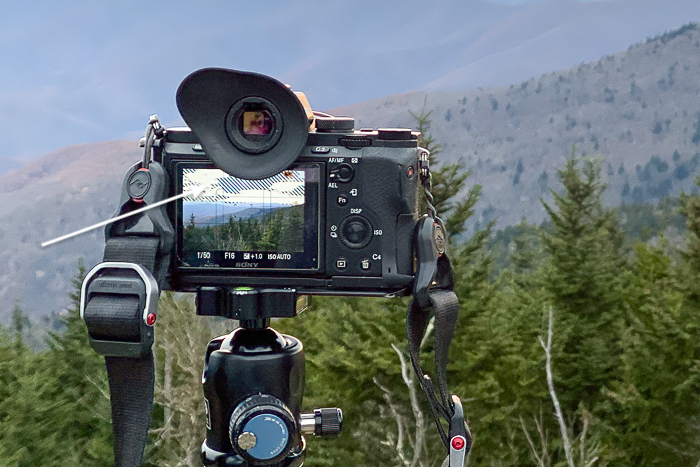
194, 192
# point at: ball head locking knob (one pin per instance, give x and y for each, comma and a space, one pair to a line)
327, 423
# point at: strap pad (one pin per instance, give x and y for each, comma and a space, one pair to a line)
118, 302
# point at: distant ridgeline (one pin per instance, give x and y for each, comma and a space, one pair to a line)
637, 111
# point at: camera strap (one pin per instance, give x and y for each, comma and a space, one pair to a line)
118, 303
131, 378
444, 308
119, 298
433, 294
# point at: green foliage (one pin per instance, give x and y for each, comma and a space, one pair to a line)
19, 322
279, 230
582, 277
54, 409
644, 221
657, 393
347, 343
446, 181
626, 347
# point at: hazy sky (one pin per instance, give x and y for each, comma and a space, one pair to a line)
78, 70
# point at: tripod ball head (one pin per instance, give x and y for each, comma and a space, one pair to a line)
253, 384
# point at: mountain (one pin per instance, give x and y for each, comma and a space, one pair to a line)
80, 73
59, 193
636, 109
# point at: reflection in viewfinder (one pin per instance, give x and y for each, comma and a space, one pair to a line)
257, 122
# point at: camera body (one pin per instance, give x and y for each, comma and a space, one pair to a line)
339, 220
257, 203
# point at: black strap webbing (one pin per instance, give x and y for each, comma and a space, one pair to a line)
131, 380
445, 308
131, 383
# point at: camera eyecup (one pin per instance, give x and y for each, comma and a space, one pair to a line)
250, 125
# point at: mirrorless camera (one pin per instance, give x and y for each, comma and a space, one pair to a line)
273, 202
292, 199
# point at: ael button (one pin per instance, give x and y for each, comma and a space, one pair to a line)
342, 173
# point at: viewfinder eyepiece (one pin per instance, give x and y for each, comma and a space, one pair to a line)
250, 125
254, 125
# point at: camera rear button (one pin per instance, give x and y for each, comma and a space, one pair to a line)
365, 264
342, 173
341, 263
342, 200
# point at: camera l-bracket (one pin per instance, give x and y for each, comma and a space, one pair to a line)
249, 304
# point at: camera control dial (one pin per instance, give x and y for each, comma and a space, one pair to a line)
355, 232
334, 124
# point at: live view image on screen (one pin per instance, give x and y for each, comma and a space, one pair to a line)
233, 214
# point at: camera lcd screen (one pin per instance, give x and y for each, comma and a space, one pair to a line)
249, 224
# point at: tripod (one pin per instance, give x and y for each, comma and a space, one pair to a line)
253, 382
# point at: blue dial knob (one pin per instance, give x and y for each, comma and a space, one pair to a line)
262, 429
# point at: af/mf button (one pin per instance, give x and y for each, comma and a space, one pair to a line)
355, 232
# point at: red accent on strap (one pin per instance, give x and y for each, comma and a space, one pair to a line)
458, 443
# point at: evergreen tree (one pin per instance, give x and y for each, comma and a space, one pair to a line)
583, 280
657, 400
19, 322
56, 411
447, 181
690, 208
